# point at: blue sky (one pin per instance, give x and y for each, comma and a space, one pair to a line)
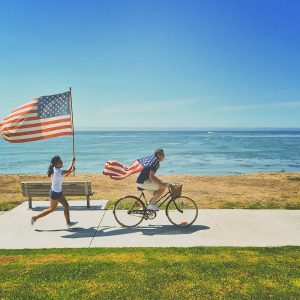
155, 63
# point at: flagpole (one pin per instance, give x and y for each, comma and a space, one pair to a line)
71, 113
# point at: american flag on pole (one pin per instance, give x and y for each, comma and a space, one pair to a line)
42, 118
118, 171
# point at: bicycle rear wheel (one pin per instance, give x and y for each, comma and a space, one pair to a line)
182, 211
129, 211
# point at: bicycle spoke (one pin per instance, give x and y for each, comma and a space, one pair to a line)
182, 211
125, 211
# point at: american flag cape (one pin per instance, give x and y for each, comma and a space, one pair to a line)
41, 118
118, 171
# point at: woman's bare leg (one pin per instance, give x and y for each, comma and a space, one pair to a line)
53, 205
65, 204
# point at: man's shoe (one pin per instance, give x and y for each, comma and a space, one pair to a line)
152, 207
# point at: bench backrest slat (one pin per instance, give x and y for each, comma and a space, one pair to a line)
70, 188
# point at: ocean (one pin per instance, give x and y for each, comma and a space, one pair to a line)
187, 152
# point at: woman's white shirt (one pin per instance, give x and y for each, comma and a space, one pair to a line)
57, 180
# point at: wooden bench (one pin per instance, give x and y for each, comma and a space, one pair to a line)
70, 188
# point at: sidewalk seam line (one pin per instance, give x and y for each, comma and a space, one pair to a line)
227, 237
215, 222
97, 229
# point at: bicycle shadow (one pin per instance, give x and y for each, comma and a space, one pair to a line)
108, 231
150, 230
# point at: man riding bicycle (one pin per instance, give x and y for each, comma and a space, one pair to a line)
147, 179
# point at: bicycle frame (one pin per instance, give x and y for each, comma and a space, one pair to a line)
164, 198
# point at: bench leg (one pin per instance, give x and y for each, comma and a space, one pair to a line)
29, 203
88, 201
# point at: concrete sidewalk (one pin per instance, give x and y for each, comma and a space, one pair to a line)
97, 228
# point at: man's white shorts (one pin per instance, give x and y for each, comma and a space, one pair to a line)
149, 185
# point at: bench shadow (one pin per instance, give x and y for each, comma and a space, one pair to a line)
78, 232
71, 208
294, 178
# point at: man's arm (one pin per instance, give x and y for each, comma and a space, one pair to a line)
154, 178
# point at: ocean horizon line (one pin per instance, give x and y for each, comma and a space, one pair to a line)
209, 129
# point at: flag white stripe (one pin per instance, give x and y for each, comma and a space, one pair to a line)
22, 110
120, 176
35, 101
111, 172
115, 174
24, 122
21, 117
35, 123
38, 127
42, 134
117, 167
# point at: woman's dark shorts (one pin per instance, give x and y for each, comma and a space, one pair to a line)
55, 195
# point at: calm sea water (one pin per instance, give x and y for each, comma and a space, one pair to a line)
188, 152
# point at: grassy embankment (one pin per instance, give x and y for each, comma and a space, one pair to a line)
261, 190
151, 273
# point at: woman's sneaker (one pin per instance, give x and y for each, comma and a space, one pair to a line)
152, 207
71, 224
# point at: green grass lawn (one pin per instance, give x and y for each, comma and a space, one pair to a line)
151, 273
5, 206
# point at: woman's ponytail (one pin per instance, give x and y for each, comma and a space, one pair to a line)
50, 170
54, 161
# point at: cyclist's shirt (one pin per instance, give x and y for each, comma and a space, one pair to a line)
150, 163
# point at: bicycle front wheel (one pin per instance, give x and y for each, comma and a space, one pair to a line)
129, 211
182, 211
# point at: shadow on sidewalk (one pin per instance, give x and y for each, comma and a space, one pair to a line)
294, 179
78, 232
79, 208
150, 230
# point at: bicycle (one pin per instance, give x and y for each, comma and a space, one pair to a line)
130, 211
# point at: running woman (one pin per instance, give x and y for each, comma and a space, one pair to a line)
56, 193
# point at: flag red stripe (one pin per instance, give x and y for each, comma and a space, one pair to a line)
110, 173
115, 170
32, 103
115, 163
36, 124
20, 120
38, 131
117, 173
42, 137
32, 111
